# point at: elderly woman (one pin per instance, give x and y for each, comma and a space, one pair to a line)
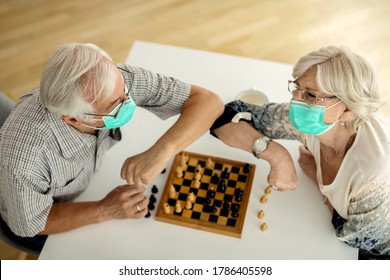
346, 143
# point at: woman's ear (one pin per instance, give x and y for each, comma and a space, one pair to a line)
347, 115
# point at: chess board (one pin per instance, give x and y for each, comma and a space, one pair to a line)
219, 213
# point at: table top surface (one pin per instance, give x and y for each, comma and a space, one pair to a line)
299, 224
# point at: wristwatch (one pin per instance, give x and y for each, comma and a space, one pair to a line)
260, 145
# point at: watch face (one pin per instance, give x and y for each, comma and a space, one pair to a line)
260, 145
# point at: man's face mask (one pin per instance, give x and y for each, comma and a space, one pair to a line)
309, 118
119, 116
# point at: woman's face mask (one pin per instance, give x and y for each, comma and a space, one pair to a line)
309, 118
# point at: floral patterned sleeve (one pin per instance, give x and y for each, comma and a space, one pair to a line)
271, 119
368, 223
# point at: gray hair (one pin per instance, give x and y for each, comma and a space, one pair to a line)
74, 74
347, 75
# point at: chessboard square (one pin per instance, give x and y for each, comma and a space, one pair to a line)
184, 189
194, 191
186, 213
187, 182
235, 169
182, 196
207, 208
218, 166
204, 186
195, 215
193, 162
222, 220
231, 222
202, 163
202, 193
231, 183
188, 176
214, 180
233, 176
242, 178
200, 200
171, 202
224, 213
213, 218
197, 207
207, 172
204, 216
230, 190
177, 214
190, 169
177, 186
219, 196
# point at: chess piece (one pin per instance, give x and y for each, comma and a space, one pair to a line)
263, 227
209, 163
199, 169
263, 199
167, 208
188, 204
260, 215
268, 190
154, 189
191, 197
183, 163
178, 207
197, 176
172, 191
152, 198
196, 184
246, 168
179, 171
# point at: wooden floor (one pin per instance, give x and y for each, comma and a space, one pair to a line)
278, 30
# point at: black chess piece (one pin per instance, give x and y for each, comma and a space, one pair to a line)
246, 168
147, 215
226, 205
222, 186
234, 214
154, 189
152, 198
210, 194
151, 206
164, 170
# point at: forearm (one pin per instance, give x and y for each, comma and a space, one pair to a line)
71, 215
197, 115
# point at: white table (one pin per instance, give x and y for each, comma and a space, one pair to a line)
299, 222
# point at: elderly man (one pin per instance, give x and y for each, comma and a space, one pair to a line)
53, 141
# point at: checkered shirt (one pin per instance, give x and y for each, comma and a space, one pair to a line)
44, 160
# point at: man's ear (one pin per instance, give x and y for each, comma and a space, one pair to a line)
69, 120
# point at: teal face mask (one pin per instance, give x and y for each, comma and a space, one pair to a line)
309, 118
121, 115
118, 117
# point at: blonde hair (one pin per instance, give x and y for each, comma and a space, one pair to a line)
347, 75
73, 74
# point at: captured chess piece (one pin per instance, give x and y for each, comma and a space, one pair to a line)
154, 189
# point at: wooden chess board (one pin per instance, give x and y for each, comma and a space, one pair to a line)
224, 212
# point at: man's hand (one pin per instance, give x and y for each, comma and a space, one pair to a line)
141, 169
124, 202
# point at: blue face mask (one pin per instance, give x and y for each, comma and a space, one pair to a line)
119, 116
309, 118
